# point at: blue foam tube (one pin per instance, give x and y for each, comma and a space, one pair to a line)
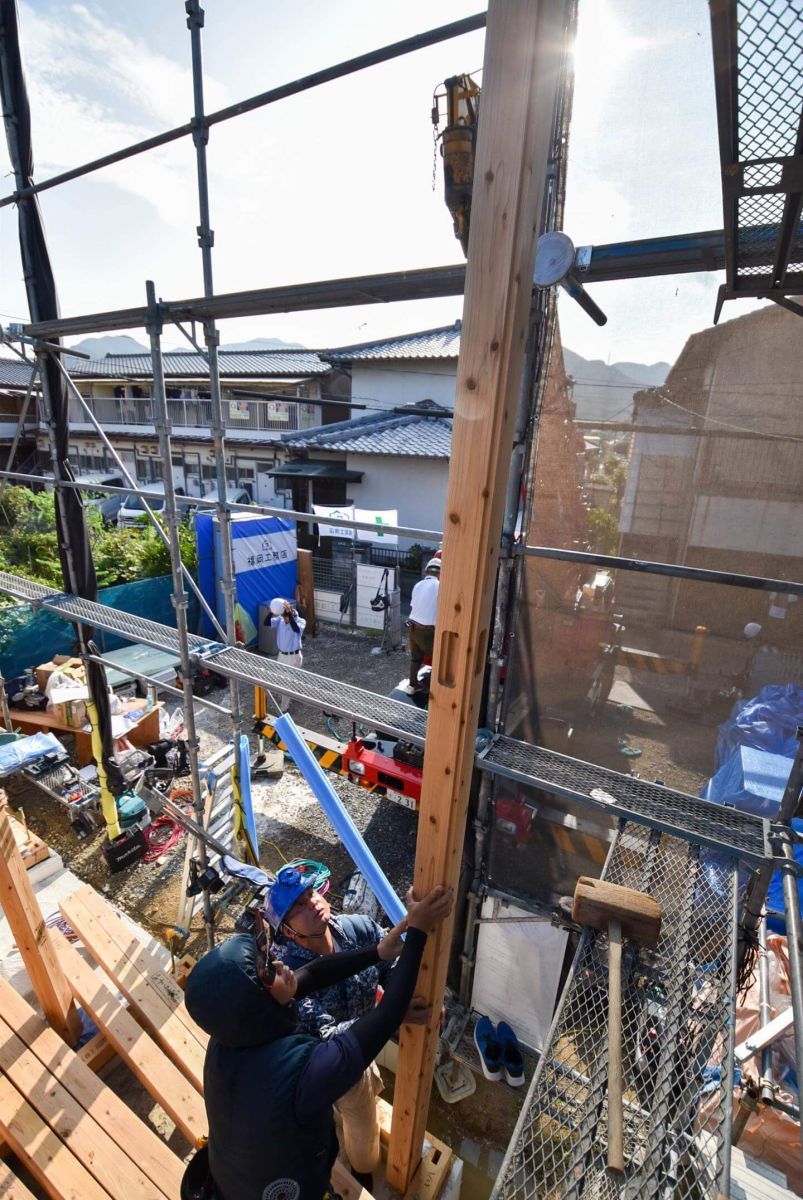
344, 827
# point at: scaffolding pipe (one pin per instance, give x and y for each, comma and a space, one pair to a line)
162, 687
616, 562
764, 1012
137, 491
204, 502
159, 396
206, 238
791, 900
373, 58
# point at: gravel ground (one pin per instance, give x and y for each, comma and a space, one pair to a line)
289, 820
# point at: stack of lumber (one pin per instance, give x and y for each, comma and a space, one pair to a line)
75, 1136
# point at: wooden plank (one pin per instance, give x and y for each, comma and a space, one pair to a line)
160, 1077
305, 589
89, 1142
33, 938
523, 46
156, 1159
32, 849
139, 975
346, 1185
11, 1188
52, 1164
433, 1170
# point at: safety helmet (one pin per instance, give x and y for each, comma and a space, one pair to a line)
752, 629
434, 564
290, 883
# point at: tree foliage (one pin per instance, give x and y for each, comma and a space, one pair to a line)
29, 547
603, 531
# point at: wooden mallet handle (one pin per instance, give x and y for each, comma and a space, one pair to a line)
616, 1154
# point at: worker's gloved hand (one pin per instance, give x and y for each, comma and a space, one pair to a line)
283, 988
428, 913
418, 1013
392, 945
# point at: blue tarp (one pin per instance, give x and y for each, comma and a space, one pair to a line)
28, 638
27, 750
767, 722
754, 781
751, 780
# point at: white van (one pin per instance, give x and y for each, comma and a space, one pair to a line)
132, 511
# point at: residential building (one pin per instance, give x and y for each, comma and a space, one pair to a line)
714, 478
265, 392
17, 399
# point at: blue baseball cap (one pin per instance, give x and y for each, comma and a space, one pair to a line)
290, 883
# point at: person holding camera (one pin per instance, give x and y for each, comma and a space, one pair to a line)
269, 1089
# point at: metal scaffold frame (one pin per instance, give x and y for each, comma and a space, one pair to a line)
678, 819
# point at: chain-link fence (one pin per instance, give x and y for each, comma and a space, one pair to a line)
677, 1030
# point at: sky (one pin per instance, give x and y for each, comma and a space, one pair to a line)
338, 181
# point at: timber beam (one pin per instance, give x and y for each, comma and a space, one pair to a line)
522, 56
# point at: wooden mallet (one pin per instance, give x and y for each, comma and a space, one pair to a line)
620, 911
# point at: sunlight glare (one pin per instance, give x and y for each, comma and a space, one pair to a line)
602, 46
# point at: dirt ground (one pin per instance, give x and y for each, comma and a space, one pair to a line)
675, 744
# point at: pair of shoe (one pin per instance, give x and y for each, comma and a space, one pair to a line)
499, 1051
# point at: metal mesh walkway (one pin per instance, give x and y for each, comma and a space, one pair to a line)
677, 1045
623, 796
619, 795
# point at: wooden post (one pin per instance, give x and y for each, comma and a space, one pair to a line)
33, 937
522, 53
305, 590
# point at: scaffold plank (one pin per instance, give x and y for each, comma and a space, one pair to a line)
650, 804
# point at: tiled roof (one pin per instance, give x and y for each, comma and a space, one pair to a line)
14, 373
432, 343
420, 431
233, 364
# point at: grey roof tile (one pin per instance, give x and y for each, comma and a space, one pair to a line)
432, 343
420, 431
233, 364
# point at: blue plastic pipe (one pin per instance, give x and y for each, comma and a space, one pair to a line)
344, 827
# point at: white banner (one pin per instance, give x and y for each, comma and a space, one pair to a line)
260, 550
345, 512
389, 516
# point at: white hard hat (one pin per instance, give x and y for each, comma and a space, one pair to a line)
752, 629
434, 564
277, 606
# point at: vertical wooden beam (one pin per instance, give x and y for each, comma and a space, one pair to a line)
522, 53
33, 937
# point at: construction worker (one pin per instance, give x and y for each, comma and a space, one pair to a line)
305, 929
268, 1088
421, 622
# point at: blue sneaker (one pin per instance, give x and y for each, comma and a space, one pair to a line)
512, 1060
488, 1047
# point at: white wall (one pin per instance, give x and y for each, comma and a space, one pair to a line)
415, 486
393, 383
730, 523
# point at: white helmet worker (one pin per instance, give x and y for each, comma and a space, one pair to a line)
434, 564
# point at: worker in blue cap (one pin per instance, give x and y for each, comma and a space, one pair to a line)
268, 1088
305, 929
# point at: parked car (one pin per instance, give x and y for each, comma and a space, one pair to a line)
108, 506
132, 511
234, 495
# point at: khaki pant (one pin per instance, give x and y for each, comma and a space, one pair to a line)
420, 640
358, 1125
